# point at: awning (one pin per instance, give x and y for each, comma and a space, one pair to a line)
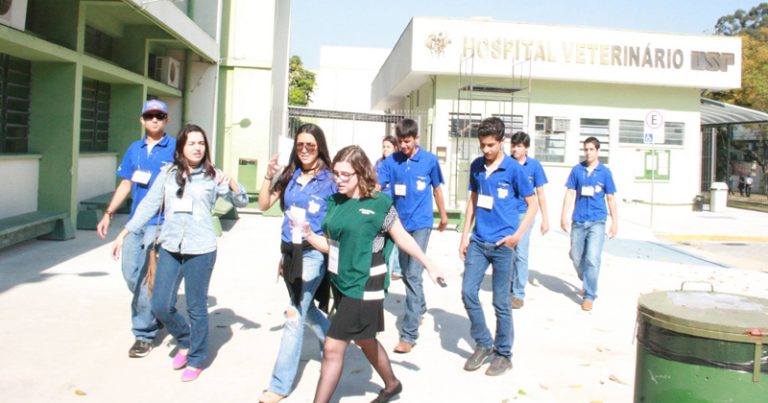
721, 113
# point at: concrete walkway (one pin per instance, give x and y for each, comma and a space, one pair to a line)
65, 332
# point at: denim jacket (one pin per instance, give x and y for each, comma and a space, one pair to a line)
188, 226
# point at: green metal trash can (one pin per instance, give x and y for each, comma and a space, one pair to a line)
701, 346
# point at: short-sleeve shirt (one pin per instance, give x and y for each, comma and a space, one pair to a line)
137, 159
311, 197
536, 176
420, 174
600, 181
506, 185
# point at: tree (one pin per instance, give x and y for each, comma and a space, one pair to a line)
744, 23
301, 83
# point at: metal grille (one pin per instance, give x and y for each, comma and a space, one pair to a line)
631, 132
94, 116
15, 100
598, 128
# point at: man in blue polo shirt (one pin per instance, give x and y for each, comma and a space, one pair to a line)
591, 185
138, 170
410, 174
496, 182
535, 173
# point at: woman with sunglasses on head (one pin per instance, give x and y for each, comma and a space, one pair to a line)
359, 228
186, 191
302, 189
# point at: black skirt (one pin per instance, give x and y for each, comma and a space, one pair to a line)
356, 319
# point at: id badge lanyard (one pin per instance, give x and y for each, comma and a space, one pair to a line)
484, 200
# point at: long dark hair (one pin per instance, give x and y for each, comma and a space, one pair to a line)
323, 158
181, 162
366, 176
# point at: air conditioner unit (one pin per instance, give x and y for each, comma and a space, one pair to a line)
13, 13
548, 125
561, 125
168, 71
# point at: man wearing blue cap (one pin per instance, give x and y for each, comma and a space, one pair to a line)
138, 170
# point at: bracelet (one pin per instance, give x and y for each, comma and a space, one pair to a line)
269, 178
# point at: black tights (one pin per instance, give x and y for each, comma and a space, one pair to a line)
333, 363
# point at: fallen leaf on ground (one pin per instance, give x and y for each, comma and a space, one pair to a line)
545, 387
574, 386
79, 392
521, 392
617, 380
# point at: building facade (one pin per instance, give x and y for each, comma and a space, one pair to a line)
561, 85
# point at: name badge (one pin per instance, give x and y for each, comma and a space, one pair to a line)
333, 256
587, 191
314, 207
182, 205
485, 201
141, 177
399, 189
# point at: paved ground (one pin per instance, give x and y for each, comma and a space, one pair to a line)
65, 316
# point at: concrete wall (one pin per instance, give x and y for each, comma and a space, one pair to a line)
95, 175
19, 178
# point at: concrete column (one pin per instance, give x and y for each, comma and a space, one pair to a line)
54, 132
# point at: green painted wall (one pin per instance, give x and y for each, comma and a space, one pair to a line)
54, 132
124, 111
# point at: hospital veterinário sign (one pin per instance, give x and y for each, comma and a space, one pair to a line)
577, 53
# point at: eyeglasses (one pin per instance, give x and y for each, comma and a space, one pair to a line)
310, 147
158, 115
344, 176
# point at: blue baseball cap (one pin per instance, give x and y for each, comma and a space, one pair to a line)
155, 105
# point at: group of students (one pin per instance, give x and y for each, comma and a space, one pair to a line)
345, 219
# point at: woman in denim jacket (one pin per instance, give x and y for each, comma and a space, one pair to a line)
187, 191
302, 189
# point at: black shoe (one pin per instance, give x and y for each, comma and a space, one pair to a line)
140, 349
477, 358
385, 395
499, 365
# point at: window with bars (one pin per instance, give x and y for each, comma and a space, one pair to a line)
98, 43
599, 129
631, 132
94, 116
15, 76
512, 123
464, 124
549, 143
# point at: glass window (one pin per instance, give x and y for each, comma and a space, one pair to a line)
549, 140
512, 123
94, 116
600, 129
464, 124
14, 104
631, 132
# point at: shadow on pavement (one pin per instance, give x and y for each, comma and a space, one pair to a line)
555, 284
452, 328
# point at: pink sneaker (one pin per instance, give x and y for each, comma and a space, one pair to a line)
190, 374
179, 361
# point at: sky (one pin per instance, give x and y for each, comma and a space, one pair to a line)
378, 24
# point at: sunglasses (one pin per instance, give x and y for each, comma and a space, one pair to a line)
158, 115
310, 147
344, 176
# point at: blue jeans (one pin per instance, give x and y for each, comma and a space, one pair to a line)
394, 262
520, 264
195, 270
288, 356
587, 240
415, 303
479, 256
134, 256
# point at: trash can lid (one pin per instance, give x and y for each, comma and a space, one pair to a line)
719, 186
701, 313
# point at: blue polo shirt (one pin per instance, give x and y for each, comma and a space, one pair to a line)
137, 159
590, 208
311, 197
507, 184
420, 174
387, 190
536, 177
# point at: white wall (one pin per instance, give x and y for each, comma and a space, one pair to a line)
20, 180
95, 175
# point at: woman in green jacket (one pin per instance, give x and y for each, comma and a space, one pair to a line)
359, 228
